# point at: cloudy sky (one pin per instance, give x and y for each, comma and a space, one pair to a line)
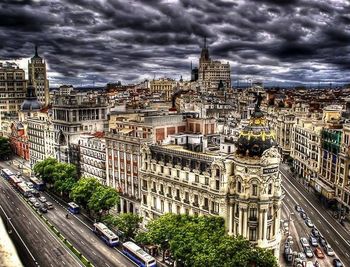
104, 41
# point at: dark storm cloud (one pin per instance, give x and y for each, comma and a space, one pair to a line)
101, 41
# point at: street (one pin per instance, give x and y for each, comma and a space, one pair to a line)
78, 230
46, 248
335, 234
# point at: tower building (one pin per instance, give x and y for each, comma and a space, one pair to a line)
212, 72
37, 74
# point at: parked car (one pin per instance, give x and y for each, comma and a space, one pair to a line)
42, 199
308, 252
309, 223
35, 193
48, 205
319, 253
302, 256
322, 240
315, 232
32, 199
313, 241
298, 208
303, 215
37, 205
337, 263
304, 242
29, 184
329, 251
43, 209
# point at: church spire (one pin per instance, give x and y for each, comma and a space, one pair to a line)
36, 51
205, 42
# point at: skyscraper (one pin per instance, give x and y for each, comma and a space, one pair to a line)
211, 72
37, 74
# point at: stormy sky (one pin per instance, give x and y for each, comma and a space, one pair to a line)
86, 41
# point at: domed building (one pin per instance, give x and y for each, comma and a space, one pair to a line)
31, 103
255, 195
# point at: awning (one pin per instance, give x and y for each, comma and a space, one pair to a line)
125, 131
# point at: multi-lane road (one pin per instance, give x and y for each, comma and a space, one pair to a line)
336, 235
77, 229
46, 248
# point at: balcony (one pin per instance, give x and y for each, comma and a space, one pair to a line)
187, 201
214, 212
161, 192
269, 217
196, 204
169, 195
177, 198
205, 207
144, 188
253, 219
154, 190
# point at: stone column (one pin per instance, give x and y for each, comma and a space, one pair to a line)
260, 225
239, 220
265, 224
230, 220
245, 220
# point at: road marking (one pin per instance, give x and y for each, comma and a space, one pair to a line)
315, 209
82, 242
93, 252
327, 231
8, 197
81, 231
44, 240
347, 255
72, 233
13, 203
319, 221
37, 231
336, 242
30, 223
107, 264
312, 212
92, 240
63, 263
51, 265
17, 208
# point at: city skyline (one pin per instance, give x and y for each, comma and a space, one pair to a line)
86, 42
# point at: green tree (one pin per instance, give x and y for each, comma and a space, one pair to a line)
128, 223
84, 189
202, 241
102, 199
45, 169
5, 148
110, 220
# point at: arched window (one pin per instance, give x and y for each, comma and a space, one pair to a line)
239, 186
269, 189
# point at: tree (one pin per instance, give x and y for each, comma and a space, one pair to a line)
5, 148
110, 220
128, 223
202, 241
84, 189
65, 177
45, 169
102, 199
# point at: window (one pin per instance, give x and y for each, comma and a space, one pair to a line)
254, 190
252, 233
154, 186
217, 184
162, 206
239, 187
170, 209
253, 214
269, 189
195, 199
169, 191
206, 180
161, 169
178, 209
196, 178
206, 204
154, 202
177, 173
187, 176
178, 193
268, 233
187, 197
161, 189
144, 199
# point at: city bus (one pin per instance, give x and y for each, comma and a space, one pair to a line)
73, 208
24, 189
110, 238
37, 183
14, 180
6, 173
139, 256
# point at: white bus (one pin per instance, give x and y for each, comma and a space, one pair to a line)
110, 238
24, 189
139, 256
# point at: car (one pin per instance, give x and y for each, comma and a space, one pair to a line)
329, 251
309, 223
35, 193
29, 184
43, 209
297, 208
48, 205
303, 215
42, 199
319, 253
37, 204
322, 240
313, 241
315, 232
32, 199
308, 252
302, 256
337, 263
304, 242
309, 264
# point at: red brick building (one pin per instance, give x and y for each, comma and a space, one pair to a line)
19, 140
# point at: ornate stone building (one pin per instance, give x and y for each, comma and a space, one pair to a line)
243, 185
